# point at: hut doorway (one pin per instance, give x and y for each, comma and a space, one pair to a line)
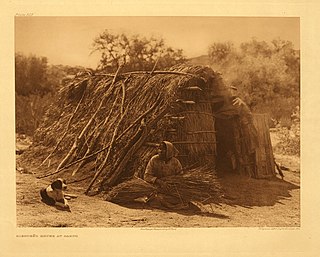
226, 150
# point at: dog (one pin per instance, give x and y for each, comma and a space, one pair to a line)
53, 194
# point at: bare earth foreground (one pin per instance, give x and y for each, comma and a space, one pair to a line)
254, 204
247, 203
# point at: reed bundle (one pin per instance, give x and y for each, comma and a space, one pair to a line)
130, 190
196, 185
199, 185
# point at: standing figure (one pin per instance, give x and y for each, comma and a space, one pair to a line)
246, 133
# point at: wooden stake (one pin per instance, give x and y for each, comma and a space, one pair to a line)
66, 131
113, 139
145, 132
99, 133
84, 130
107, 146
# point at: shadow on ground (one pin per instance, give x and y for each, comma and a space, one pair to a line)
235, 190
232, 190
248, 192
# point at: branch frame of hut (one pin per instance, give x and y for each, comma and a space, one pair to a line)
117, 119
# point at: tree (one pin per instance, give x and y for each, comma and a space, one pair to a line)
256, 48
266, 74
31, 75
134, 52
220, 52
36, 83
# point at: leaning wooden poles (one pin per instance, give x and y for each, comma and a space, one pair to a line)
113, 139
87, 126
115, 117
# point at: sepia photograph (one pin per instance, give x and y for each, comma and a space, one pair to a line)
159, 128
157, 121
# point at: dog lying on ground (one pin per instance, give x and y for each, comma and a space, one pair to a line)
53, 195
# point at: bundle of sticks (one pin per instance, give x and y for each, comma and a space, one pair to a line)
197, 185
130, 191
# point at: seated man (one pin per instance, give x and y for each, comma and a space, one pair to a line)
162, 165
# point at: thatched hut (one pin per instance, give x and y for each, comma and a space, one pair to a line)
116, 120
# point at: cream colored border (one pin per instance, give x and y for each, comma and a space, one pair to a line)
181, 242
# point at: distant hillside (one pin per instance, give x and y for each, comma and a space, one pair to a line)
200, 60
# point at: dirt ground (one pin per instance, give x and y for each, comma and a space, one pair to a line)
246, 203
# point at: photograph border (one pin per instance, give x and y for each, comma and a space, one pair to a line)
167, 242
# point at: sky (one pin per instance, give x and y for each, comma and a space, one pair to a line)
68, 40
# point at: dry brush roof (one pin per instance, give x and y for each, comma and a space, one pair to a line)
141, 92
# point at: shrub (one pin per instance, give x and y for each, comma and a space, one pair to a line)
267, 75
289, 138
